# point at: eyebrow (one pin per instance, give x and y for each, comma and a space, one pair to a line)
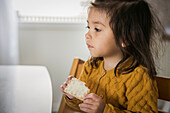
96, 22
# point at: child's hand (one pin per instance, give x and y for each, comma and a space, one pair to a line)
92, 104
62, 87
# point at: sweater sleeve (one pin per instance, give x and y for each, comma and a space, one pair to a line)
73, 103
141, 94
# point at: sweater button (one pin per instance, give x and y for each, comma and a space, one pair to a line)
101, 96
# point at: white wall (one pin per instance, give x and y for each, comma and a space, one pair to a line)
50, 7
54, 46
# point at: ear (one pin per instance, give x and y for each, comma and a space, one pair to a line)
123, 45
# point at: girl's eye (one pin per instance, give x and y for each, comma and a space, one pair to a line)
87, 27
98, 30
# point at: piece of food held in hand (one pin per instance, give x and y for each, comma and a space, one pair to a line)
76, 88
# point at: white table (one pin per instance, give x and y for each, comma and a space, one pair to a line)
25, 89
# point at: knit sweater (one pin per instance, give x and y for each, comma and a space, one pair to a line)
125, 93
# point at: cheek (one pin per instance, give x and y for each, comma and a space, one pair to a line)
100, 44
113, 44
110, 45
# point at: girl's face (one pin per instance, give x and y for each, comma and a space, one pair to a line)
100, 38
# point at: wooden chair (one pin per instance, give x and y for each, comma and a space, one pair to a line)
163, 89
162, 82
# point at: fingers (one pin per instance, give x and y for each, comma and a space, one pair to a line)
88, 101
68, 79
86, 107
92, 104
92, 96
89, 104
62, 87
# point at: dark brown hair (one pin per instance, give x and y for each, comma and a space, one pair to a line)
134, 23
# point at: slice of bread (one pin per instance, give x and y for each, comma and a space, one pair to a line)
76, 88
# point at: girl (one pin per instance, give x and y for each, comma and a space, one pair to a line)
121, 72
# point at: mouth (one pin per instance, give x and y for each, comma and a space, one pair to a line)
89, 46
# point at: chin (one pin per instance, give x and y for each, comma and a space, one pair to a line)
95, 55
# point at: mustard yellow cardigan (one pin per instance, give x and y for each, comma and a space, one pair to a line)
126, 93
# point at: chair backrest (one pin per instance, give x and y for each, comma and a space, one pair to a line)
162, 82
163, 87
25, 89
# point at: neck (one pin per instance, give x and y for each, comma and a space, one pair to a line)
111, 62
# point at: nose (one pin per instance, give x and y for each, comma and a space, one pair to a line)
88, 35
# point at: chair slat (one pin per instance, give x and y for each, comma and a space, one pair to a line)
163, 87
